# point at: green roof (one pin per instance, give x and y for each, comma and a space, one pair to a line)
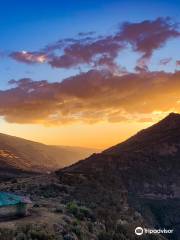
7, 199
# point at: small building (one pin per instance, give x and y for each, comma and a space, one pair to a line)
12, 205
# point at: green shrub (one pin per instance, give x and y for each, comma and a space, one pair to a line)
80, 212
35, 232
72, 208
85, 211
104, 236
77, 231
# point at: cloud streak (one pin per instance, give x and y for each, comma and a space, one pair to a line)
29, 57
165, 61
91, 97
102, 52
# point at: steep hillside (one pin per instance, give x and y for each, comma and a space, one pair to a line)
144, 170
162, 137
152, 155
27, 155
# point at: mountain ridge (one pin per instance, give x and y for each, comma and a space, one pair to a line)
157, 132
28, 155
171, 122
146, 168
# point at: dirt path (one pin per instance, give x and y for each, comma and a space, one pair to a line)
40, 216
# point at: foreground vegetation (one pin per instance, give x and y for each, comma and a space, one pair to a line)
60, 212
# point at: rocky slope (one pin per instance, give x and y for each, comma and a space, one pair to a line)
145, 170
147, 163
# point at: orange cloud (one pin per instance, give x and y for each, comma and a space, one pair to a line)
91, 97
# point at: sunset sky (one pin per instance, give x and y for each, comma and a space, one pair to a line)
87, 73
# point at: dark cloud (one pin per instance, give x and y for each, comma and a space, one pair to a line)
91, 97
147, 36
165, 61
82, 34
99, 52
102, 51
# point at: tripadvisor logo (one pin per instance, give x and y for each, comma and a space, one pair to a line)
139, 231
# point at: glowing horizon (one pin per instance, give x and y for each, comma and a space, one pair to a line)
69, 135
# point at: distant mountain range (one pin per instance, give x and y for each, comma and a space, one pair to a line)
20, 154
144, 170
